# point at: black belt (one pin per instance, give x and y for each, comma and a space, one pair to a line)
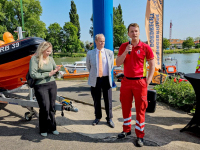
135, 78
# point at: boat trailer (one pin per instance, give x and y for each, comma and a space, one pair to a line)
30, 101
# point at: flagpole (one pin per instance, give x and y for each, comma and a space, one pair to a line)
22, 17
162, 34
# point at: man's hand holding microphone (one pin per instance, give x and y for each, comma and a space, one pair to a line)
128, 47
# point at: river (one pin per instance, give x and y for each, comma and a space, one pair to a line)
186, 62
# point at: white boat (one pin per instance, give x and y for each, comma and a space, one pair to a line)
79, 66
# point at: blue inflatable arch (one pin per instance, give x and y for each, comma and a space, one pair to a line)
103, 23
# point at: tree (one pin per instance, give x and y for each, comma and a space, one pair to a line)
175, 46
70, 41
120, 35
117, 15
197, 46
10, 17
91, 28
119, 29
188, 43
82, 44
197, 39
74, 17
54, 36
166, 43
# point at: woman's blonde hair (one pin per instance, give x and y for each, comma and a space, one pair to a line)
39, 53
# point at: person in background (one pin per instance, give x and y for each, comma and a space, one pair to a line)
99, 63
198, 66
42, 68
135, 83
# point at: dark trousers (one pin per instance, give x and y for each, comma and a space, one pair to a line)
46, 95
102, 85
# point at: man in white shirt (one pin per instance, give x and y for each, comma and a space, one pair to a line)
99, 62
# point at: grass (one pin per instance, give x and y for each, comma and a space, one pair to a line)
181, 51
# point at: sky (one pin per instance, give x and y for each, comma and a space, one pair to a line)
185, 16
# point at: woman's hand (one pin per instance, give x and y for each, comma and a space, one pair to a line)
57, 68
54, 71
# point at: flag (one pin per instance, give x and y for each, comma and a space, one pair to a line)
154, 27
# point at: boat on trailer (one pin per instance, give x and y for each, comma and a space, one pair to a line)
14, 61
14, 66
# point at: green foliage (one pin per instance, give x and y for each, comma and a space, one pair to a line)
74, 17
197, 39
116, 53
81, 44
166, 43
119, 29
10, 17
188, 43
92, 47
87, 46
117, 15
91, 28
197, 46
82, 50
70, 41
120, 35
58, 55
176, 94
54, 36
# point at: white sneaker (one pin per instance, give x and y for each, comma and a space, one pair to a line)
55, 132
43, 134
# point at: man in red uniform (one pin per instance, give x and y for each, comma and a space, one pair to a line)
135, 83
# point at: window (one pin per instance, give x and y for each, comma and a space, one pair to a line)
79, 64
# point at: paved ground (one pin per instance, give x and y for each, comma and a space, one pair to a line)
76, 132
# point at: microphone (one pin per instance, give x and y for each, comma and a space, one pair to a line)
129, 39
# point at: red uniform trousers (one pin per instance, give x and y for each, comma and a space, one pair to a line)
138, 89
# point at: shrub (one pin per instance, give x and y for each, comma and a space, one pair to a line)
182, 51
176, 94
58, 55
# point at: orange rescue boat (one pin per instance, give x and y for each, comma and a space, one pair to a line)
14, 61
68, 75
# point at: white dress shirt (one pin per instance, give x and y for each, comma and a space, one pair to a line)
104, 62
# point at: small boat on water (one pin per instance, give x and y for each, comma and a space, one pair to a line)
14, 61
67, 75
117, 70
78, 66
73, 75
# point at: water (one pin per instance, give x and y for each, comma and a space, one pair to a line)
186, 62
69, 60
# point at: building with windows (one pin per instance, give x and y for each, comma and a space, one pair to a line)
176, 43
